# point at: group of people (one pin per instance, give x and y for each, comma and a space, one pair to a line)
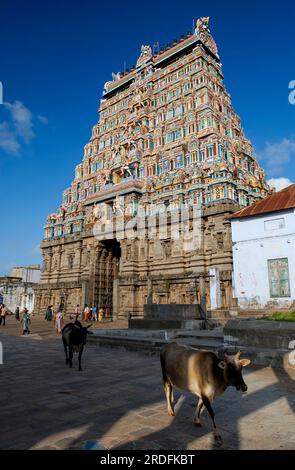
89, 313
57, 317
25, 321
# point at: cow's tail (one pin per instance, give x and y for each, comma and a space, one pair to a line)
163, 367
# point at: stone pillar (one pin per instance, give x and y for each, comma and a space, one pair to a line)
115, 298
59, 264
149, 291
215, 290
80, 255
50, 266
203, 303
84, 295
101, 278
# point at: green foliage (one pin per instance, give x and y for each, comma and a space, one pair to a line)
280, 316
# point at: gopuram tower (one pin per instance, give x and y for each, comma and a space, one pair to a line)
167, 138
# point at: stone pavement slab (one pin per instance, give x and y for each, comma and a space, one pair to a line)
118, 402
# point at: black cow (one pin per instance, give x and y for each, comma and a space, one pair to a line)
74, 337
201, 373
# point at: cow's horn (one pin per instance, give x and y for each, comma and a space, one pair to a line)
88, 326
225, 352
238, 354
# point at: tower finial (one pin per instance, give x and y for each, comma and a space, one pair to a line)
203, 34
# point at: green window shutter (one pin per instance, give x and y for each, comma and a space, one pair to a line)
278, 275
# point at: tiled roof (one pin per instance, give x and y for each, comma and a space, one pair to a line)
281, 200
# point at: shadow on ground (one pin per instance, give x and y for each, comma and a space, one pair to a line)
118, 401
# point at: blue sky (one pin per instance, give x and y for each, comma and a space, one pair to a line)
55, 58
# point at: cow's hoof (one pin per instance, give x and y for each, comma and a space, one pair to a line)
80, 368
171, 413
217, 440
198, 424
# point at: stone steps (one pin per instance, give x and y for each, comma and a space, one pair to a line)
153, 341
161, 324
221, 317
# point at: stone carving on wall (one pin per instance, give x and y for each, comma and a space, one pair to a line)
71, 258
55, 263
97, 212
45, 265
166, 248
220, 240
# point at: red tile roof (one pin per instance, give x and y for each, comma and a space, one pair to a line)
282, 200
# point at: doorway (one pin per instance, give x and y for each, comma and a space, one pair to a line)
107, 270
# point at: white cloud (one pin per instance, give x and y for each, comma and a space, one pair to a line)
42, 119
279, 183
277, 155
17, 128
22, 120
8, 139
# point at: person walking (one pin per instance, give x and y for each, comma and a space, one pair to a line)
90, 313
49, 313
86, 312
59, 322
100, 314
26, 321
16, 313
3, 313
94, 313
77, 311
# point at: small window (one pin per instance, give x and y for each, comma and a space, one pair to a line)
278, 275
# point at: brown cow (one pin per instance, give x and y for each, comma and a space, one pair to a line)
201, 373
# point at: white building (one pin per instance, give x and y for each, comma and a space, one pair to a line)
263, 236
16, 290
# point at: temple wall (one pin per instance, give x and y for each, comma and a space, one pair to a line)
83, 269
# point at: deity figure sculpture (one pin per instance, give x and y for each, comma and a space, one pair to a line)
202, 33
96, 212
116, 76
106, 87
203, 24
125, 168
145, 55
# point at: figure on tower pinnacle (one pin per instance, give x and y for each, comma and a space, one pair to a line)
203, 34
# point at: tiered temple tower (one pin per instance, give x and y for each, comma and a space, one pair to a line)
167, 137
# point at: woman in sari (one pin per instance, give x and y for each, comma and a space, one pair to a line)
59, 322
26, 321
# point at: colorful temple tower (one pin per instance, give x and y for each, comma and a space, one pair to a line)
167, 137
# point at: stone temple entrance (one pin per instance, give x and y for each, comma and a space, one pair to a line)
106, 277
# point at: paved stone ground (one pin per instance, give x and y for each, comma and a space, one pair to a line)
46, 329
118, 401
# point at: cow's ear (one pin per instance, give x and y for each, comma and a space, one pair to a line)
222, 364
244, 362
